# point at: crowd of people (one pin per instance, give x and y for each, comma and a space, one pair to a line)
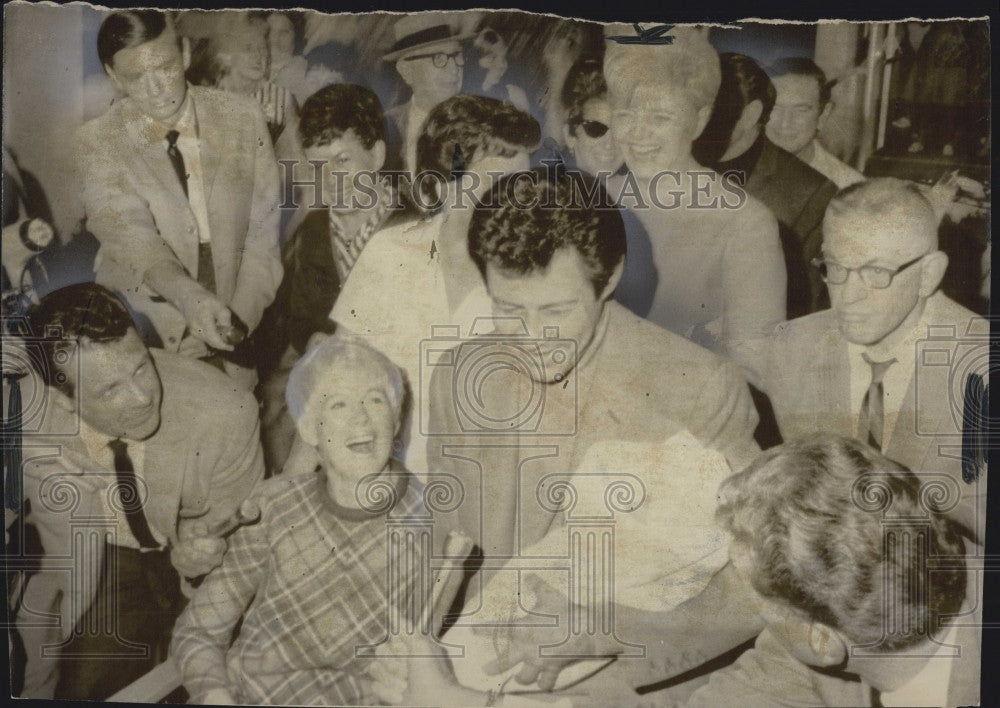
332, 328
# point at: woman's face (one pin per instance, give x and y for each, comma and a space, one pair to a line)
654, 128
246, 55
592, 141
281, 35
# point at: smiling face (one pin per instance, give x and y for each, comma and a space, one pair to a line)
343, 159
118, 389
795, 117
654, 127
352, 424
600, 154
152, 75
281, 35
561, 296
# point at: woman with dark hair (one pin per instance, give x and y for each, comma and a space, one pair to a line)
587, 134
416, 276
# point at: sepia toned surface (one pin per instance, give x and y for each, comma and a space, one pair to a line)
495, 358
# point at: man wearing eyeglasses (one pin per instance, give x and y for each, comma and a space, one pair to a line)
429, 56
894, 361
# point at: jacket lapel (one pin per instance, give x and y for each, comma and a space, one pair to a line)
210, 138
152, 150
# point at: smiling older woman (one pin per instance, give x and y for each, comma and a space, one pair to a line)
704, 260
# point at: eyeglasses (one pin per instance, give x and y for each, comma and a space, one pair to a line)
872, 276
440, 59
594, 128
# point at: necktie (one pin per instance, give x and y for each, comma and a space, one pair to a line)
872, 417
206, 266
129, 491
176, 159
12, 448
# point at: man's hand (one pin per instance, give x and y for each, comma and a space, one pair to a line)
521, 644
206, 315
196, 552
193, 348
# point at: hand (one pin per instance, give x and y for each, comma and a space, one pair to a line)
192, 347
206, 315
389, 678
218, 697
521, 644
196, 552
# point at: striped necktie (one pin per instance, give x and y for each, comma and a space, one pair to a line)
871, 420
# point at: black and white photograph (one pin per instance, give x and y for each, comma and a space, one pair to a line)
510, 357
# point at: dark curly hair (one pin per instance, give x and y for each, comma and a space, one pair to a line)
527, 216
333, 110
82, 311
467, 128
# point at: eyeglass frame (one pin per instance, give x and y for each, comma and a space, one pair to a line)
821, 264
457, 56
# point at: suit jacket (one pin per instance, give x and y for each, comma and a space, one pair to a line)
797, 195
137, 208
198, 465
805, 371
397, 123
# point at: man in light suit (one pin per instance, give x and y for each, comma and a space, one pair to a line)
894, 361
180, 186
140, 455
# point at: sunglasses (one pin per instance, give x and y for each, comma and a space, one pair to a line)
594, 128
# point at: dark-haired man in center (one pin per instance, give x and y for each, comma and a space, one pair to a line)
614, 387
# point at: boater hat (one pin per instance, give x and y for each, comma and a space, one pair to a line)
422, 31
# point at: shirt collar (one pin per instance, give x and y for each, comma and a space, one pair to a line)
905, 350
95, 441
186, 124
396, 475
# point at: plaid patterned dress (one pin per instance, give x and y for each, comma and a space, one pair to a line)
314, 586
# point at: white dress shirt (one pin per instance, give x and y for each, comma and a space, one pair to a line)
930, 686
96, 443
189, 145
840, 173
897, 379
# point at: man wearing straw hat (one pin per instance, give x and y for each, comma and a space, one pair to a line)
429, 56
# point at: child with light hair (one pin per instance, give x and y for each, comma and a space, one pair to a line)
860, 581
314, 580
